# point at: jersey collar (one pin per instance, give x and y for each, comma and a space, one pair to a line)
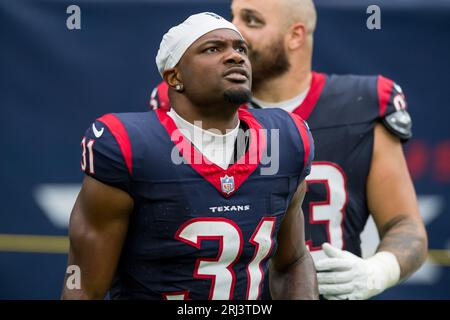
226, 181
307, 106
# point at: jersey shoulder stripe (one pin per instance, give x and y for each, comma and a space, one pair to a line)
118, 130
317, 84
384, 88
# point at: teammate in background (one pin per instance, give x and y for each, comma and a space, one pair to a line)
358, 123
360, 169
149, 228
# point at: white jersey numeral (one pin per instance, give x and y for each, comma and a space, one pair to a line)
90, 152
220, 269
332, 211
83, 155
262, 240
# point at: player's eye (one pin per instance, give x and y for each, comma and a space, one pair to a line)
211, 50
242, 49
251, 21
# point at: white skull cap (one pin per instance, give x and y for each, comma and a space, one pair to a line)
179, 38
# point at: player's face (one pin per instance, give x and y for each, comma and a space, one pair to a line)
217, 66
260, 22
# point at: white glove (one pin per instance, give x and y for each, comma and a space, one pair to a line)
344, 276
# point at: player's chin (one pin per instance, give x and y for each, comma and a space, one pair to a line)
237, 95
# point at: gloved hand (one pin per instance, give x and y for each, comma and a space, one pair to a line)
343, 275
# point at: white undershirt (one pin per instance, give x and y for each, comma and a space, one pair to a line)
287, 105
216, 147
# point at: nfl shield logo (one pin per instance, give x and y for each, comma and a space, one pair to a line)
227, 184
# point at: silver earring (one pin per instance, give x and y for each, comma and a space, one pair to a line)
179, 87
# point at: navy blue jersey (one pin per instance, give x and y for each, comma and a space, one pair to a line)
342, 111
197, 231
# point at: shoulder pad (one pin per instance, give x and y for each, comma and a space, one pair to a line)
400, 124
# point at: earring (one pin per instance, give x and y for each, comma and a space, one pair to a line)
179, 87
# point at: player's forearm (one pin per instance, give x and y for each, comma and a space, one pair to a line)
406, 238
82, 282
298, 281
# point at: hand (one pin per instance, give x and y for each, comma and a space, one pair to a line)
345, 276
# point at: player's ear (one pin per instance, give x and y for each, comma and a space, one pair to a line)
296, 35
172, 77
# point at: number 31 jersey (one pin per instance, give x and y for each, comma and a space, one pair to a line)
198, 231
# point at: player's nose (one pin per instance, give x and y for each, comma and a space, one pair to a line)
234, 56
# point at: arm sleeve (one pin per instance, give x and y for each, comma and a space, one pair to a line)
393, 108
104, 154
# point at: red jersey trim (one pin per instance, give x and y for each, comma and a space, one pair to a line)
119, 132
163, 95
317, 83
303, 130
239, 171
384, 89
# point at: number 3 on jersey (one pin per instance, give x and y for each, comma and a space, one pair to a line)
328, 212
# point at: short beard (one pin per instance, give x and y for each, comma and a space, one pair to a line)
268, 64
237, 97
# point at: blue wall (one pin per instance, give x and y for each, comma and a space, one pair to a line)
54, 82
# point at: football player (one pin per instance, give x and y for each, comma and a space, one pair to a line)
170, 210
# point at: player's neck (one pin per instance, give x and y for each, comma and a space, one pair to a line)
218, 118
284, 87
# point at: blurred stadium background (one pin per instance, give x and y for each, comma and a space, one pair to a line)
54, 82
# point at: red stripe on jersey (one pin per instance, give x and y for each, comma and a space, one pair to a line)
119, 132
240, 170
317, 83
384, 89
301, 126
